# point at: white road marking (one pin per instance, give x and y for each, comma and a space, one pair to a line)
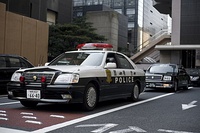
190, 105
29, 117
103, 127
8, 103
8, 130
34, 122
130, 129
26, 113
2, 118
57, 116
2, 111
60, 125
3, 115
172, 131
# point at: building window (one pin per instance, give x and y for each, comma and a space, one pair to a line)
78, 3
130, 11
130, 2
51, 17
131, 25
118, 3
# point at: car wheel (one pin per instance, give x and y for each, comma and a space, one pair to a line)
29, 103
135, 92
175, 88
90, 97
186, 87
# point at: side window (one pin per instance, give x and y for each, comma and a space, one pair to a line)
2, 62
14, 62
111, 58
123, 62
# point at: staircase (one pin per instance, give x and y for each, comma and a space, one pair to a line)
161, 38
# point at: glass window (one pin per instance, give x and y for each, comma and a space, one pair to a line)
118, 3
14, 62
79, 58
2, 62
130, 11
162, 68
130, 2
51, 17
123, 62
131, 25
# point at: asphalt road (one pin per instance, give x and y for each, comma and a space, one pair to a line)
156, 112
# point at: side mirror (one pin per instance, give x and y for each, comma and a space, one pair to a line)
46, 64
110, 65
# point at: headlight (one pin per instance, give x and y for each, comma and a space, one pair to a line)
167, 78
15, 76
67, 78
194, 78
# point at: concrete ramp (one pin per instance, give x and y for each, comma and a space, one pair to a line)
150, 47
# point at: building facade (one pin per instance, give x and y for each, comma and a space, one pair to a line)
143, 19
185, 40
51, 11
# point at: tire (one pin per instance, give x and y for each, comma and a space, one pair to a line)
175, 88
186, 87
135, 92
90, 97
29, 103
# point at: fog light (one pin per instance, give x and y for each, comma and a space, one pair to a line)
66, 96
10, 93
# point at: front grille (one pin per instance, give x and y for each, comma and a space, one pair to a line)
35, 77
154, 77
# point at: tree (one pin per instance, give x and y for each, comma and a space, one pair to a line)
65, 37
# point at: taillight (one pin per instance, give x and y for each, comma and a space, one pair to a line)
43, 79
22, 79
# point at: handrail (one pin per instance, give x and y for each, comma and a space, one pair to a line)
154, 37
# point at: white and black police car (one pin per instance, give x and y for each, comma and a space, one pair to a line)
89, 75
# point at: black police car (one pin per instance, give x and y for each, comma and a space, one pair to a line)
8, 65
171, 76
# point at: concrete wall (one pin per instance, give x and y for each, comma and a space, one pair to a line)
106, 24
23, 36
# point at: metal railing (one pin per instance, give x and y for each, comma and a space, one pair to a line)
151, 39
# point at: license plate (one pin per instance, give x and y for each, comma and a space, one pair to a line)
33, 94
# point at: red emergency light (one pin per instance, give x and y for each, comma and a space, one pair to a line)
94, 46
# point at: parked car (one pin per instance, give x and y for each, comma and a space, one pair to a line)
194, 74
8, 65
170, 76
89, 75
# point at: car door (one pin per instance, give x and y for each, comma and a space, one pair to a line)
127, 73
183, 77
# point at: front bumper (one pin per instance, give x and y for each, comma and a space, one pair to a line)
159, 84
48, 94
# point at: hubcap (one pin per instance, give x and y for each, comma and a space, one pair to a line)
91, 97
136, 91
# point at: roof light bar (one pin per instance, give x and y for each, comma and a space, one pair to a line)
103, 46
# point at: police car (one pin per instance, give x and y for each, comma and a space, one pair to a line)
89, 75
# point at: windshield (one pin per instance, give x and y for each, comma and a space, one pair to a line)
162, 68
79, 58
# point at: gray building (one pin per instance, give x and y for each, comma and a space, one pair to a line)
144, 21
51, 11
185, 37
